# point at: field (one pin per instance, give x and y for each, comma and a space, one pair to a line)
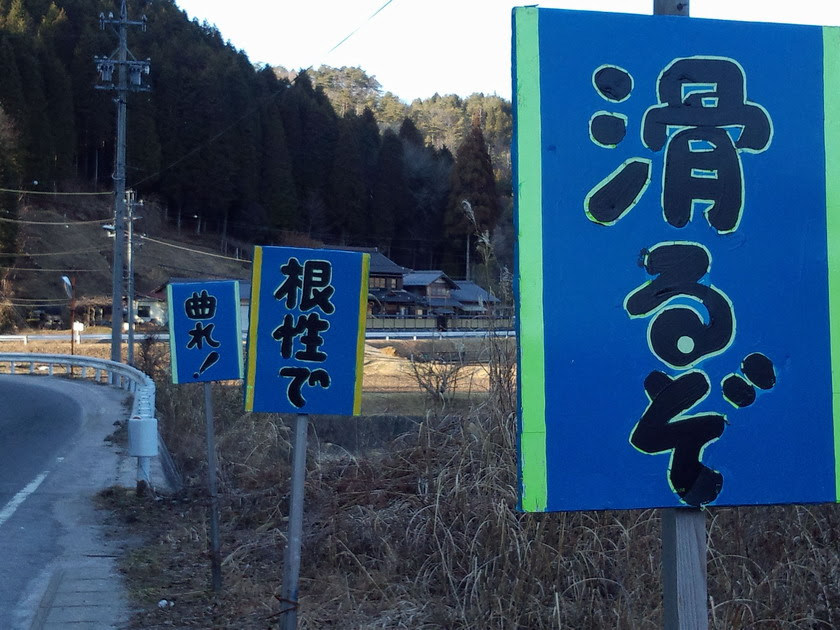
411, 522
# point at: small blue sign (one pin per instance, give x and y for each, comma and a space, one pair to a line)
306, 334
205, 338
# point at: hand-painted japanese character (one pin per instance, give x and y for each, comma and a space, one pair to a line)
200, 306
309, 285
309, 329
301, 376
201, 333
317, 286
677, 334
704, 98
703, 121
289, 288
622, 189
663, 428
758, 372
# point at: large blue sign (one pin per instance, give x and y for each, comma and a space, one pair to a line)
675, 267
205, 335
306, 333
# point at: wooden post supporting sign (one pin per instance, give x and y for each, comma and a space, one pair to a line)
684, 569
684, 585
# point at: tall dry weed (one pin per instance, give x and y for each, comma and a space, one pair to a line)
424, 533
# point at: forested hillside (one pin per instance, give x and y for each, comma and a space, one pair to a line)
255, 154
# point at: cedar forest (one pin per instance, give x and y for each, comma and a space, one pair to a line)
259, 155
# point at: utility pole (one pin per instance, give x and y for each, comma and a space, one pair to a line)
467, 206
129, 69
131, 205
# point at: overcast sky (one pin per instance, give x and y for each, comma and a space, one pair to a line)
418, 47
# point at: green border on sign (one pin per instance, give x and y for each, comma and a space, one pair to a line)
238, 301
532, 437
831, 82
173, 351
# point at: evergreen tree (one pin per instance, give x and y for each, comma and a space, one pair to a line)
390, 110
347, 189
38, 137
59, 98
320, 131
18, 20
234, 144
95, 114
390, 204
367, 131
473, 182
277, 194
410, 134
428, 174
9, 178
11, 94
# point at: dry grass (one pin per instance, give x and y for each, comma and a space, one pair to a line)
423, 533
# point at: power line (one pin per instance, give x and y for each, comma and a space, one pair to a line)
61, 270
210, 140
195, 251
72, 251
45, 192
24, 222
31, 301
373, 15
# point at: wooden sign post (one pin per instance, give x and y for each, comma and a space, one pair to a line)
684, 547
664, 168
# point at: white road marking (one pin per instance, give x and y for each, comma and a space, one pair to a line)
9, 509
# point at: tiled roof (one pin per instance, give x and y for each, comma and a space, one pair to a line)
469, 291
424, 278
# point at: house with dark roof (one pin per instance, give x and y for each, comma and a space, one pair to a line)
386, 295
433, 291
474, 299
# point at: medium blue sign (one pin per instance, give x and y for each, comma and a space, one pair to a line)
677, 218
205, 334
306, 333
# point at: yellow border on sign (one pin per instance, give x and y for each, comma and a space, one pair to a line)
360, 343
254, 317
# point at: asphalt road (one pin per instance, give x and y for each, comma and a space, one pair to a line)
53, 458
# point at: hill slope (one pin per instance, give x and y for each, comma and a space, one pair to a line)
65, 236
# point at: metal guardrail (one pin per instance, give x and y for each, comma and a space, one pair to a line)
98, 371
91, 368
